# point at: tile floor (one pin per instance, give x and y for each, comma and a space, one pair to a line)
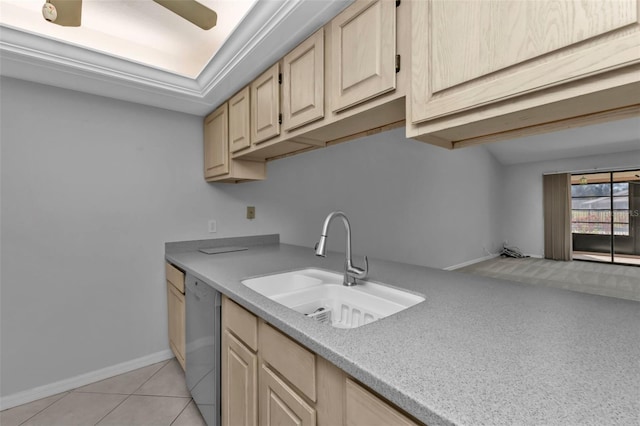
155, 395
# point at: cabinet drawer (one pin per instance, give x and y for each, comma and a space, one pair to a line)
365, 409
240, 322
175, 276
292, 361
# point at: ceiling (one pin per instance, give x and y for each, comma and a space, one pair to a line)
136, 50
140, 31
596, 139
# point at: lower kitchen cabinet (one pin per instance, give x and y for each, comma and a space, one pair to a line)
177, 312
239, 383
294, 386
280, 405
363, 408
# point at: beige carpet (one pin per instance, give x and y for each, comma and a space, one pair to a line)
587, 277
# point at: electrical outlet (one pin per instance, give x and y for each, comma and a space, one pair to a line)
212, 226
251, 212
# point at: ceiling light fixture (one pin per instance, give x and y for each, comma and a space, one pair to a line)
67, 13
583, 180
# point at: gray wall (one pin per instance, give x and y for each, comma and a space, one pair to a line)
523, 215
407, 201
87, 207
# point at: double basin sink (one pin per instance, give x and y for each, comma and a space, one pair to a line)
321, 295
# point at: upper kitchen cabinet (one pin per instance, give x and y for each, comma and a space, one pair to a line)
218, 165
303, 83
265, 105
216, 143
486, 70
363, 52
239, 122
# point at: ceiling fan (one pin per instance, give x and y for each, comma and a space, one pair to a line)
68, 13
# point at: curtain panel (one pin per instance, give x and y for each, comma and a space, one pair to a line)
557, 216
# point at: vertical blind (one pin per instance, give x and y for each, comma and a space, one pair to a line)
557, 216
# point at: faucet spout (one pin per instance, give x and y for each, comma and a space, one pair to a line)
351, 273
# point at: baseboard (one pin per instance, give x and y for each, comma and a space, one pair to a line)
470, 262
44, 391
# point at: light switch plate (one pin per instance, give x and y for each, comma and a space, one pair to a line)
251, 212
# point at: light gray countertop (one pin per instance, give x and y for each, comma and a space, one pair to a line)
478, 351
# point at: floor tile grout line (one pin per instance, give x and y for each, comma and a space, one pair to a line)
131, 394
61, 398
180, 413
111, 411
152, 376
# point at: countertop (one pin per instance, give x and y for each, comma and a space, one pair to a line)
477, 351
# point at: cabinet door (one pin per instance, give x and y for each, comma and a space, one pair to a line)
265, 105
216, 143
239, 383
176, 309
239, 125
363, 52
365, 409
472, 53
280, 405
303, 83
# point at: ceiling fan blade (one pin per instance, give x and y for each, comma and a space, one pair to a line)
192, 11
69, 12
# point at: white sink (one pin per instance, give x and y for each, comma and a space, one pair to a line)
315, 292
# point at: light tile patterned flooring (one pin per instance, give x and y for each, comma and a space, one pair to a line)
155, 395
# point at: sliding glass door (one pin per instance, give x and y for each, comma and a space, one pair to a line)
626, 197
604, 217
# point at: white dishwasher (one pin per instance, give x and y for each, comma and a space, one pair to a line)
203, 347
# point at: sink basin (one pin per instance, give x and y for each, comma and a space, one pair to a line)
320, 294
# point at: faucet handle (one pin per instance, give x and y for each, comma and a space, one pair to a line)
359, 273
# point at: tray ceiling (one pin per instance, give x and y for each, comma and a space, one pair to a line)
138, 51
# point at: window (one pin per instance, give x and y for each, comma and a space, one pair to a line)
591, 208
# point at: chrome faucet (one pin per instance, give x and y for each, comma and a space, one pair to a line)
351, 273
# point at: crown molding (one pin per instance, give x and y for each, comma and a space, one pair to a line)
268, 31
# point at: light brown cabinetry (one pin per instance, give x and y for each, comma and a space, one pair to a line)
364, 52
218, 164
294, 386
216, 143
239, 121
474, 61
239, 387
265, 105
303, 83
239, 382
280, 405
176, 310
363, 408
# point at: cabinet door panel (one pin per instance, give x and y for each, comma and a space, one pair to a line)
365, 409
280, 405
239, 125
303, 82
239, 383
265, 105
363, 52
472, 53
216, 143
176, 309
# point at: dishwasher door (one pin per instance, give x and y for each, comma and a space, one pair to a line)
203, 347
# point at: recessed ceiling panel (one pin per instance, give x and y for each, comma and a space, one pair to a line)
141, 31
